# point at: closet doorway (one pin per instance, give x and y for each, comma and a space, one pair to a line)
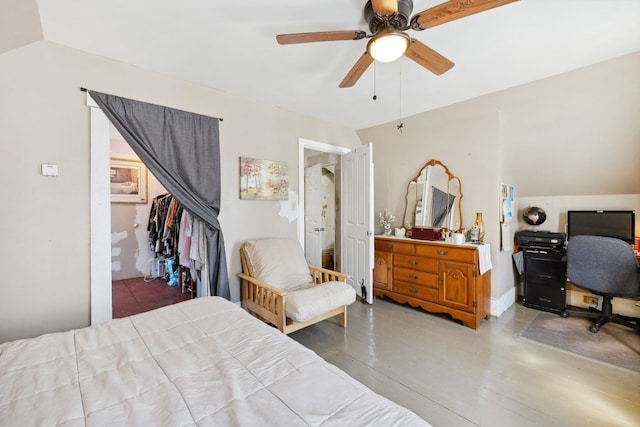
140, 279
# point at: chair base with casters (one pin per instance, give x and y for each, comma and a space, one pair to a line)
607, 267
605, 316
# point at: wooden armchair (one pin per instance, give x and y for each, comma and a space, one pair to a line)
279, 287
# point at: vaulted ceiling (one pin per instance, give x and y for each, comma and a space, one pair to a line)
231, 46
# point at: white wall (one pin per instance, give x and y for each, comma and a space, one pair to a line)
573, 134
44, 118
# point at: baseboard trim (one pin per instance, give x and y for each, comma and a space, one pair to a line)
501, 304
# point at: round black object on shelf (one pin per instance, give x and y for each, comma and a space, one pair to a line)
534, 215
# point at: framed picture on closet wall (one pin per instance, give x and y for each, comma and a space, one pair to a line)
128, 181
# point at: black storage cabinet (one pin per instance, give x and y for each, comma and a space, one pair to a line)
545, 280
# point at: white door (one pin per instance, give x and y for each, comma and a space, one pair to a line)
313, 215
357, 219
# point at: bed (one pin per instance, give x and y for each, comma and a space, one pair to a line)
200, 362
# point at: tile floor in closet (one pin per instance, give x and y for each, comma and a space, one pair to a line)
133, 296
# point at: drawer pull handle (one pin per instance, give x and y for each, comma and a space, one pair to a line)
443, 253
456, 276
388, 246
413, 262
413, 276
413, 290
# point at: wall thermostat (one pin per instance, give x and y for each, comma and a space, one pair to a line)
49, 169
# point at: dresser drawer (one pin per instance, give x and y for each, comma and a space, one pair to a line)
416, 291
414, 276
446, 252
416, 263
384, 245
404, 248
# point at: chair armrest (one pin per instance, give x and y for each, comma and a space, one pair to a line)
321, 275
264, 301
262, 284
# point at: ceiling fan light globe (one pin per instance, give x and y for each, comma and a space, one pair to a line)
388, 46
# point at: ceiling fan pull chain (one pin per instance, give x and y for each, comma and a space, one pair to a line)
375, 67
400, 124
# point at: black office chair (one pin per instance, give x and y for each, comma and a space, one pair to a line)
608, 267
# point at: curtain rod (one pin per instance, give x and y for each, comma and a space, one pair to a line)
84, 89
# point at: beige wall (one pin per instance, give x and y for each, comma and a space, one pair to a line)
45, 225
572, 134
21, 20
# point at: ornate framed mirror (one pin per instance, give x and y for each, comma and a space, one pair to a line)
434, 199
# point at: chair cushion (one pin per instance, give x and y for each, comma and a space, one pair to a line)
277, 262
313, 301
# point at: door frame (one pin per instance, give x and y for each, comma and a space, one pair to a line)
304, 144
101, 296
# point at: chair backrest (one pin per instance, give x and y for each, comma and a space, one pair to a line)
277, 262
603, 265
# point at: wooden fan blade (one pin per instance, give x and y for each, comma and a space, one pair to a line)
323, 36
428, 58
358, 69
452, 10
385, 7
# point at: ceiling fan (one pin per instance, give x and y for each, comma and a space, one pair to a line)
388, 20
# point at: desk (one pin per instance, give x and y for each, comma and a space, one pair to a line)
545, 284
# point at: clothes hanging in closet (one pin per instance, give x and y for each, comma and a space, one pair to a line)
174, 233
163, 225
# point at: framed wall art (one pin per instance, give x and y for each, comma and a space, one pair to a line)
263, 179
128, 181
507, 202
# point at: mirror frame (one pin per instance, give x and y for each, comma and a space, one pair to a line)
451, 177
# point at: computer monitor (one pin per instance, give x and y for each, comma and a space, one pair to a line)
618, 224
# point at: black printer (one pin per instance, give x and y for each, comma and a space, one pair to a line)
540, 239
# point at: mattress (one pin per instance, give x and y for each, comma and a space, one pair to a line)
200, 362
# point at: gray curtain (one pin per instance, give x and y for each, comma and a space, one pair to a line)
182, 150
440, 206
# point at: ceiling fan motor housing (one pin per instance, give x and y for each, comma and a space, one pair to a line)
398, 20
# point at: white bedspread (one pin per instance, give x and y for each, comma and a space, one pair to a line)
200, 362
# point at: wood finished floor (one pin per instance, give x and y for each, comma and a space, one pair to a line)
133, 296
453, 376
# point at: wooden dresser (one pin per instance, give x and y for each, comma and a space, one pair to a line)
435, 276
